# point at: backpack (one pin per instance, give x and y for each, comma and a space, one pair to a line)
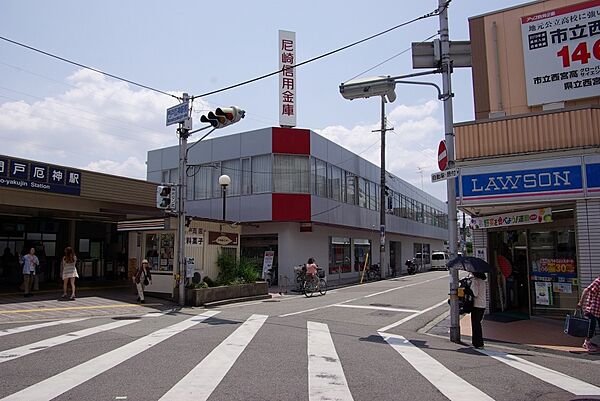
466, 303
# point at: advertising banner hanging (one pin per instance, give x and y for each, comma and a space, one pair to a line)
287, 79
512, 219
561, 51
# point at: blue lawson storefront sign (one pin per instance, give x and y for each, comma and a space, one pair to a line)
23, 174
499, 183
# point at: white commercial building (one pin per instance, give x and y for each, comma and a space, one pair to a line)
298, 194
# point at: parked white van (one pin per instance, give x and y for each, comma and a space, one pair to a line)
439, 260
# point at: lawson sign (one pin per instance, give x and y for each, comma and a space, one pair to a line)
523, 183
569, 178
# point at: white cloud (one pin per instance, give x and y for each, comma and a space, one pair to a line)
96, 123
410, 149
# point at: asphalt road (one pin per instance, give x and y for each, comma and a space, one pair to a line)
355, 343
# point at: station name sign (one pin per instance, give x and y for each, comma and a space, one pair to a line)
24, 174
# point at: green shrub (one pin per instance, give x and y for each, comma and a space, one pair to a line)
208, 281
232, 271
247, 271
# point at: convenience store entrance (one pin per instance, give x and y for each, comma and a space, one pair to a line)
536, 269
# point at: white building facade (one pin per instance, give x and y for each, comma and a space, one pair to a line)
298, 194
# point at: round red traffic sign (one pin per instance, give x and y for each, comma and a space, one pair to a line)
442, 156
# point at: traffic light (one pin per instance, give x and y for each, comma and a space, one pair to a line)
223, 116
165, 197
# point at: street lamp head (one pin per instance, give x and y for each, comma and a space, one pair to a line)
368, 87
224, 180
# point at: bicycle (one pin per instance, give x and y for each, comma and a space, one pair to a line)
313, 283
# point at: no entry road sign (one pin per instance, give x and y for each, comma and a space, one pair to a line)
442, 156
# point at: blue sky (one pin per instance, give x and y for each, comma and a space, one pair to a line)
58, 113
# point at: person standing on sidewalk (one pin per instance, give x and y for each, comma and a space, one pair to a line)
590, 302
142, 278
478, 288
69, 272
30, 263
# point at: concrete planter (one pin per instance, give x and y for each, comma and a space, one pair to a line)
201, 296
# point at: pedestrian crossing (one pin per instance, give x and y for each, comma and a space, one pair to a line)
326, 377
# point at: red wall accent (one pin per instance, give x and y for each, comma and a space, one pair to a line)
290, 140
291, 207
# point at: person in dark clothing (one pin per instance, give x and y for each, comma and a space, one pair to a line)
479, 292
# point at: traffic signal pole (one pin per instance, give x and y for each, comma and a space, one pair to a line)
451, 188
184, 133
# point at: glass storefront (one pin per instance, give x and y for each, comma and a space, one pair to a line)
362, 248
536, 269
339, 255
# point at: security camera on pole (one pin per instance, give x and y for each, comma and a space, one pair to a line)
180, 114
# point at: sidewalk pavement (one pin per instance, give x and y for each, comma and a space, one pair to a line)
539, 333
90, 302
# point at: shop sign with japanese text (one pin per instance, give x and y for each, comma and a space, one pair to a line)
512, 219
561, 50
287, 79
24, 174
223, 239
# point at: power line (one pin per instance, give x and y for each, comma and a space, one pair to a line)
428, 15
391, 58
86, 67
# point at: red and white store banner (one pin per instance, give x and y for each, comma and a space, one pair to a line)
561, 50
287, 79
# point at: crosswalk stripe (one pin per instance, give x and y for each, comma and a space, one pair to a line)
201, 381
15, 330
28, 349
452, 386
568, 383
326, 379
385, 308
65, 381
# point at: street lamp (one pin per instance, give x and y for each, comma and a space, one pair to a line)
365, 88
224, 182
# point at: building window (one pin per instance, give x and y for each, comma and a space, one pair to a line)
291, 174
202, 181
233, 169
336, 183
373, 196
246, 176
313, 176
339, 255
362, 192
321, 178
261, 174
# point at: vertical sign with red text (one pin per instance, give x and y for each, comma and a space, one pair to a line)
561, 49
287, 79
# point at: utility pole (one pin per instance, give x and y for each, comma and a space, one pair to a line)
446, 65
184, 133
382, 205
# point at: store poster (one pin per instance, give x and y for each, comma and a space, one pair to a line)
481, 253
267, 263
543, 293
562, 288
190, 267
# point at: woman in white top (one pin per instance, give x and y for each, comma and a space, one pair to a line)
479, 292
69, 272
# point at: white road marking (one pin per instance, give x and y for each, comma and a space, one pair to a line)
22, 329
567, 383
406, 319
403, 286
28, 349
452, 386
326, 379
377, 308
201, 381
318, 308
56, 385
